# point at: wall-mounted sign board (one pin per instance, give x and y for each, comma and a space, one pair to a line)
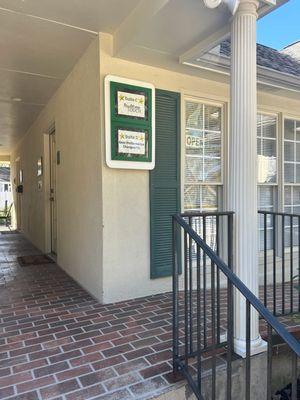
129, 123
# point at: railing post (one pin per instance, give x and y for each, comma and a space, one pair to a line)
283, 267
175, 298
230, 241
291, 265
274, 264
265, 261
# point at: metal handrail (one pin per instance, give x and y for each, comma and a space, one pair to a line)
278, 213
190, 303
255, 302
275, 227
205, 214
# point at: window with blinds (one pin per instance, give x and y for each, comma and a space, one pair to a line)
291, 175
203, 156
266, 172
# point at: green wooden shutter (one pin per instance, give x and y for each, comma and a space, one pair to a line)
165, 182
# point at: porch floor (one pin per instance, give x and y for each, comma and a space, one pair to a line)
57, 342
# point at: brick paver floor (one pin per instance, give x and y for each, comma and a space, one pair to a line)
57, 342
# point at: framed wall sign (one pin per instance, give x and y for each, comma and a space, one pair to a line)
129, 123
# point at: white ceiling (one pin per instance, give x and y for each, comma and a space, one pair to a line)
85, 14
178, 26
41, 40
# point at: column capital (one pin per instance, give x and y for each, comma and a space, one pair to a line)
247, 7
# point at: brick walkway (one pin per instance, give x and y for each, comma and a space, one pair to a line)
57, 342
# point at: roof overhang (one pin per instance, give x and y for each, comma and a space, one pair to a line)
265, 7
269, 78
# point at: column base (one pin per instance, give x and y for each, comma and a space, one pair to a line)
257, 346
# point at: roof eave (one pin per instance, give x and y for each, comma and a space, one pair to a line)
265, 76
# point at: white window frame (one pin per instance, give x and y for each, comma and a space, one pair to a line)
224, 147
286, 116
275, 184
274, 115
280, 203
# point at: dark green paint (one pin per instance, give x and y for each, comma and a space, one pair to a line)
130, 123
164, 182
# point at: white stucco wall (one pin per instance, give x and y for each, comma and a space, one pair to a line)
126, 217
103, 213
75, 110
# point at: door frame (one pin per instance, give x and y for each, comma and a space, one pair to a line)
47, 192
18, 205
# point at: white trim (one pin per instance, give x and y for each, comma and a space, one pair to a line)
275, 115
274, 76
193, 97
46, 190
126, 164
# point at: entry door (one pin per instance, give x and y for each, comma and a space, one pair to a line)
53, 205
19, 181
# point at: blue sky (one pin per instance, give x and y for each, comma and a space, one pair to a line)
281, 27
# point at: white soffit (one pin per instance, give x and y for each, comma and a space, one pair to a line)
40, 42
93, 15
176, 27
181, 30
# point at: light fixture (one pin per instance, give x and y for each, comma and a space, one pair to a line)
231, 4
16, 99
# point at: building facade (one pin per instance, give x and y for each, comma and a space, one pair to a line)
105, 216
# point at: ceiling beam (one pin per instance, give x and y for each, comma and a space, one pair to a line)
205, 45
135, 22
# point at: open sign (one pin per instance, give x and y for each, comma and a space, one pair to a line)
192, 142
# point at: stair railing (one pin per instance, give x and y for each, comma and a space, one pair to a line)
203, 316
280, 245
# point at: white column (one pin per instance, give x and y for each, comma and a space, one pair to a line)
243, 166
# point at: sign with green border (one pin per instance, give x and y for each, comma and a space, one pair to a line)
129, 123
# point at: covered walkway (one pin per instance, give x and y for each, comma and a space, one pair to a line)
57, 342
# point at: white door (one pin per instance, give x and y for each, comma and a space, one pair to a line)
53, 205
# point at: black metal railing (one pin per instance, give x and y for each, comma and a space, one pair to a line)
281, 261
200, 330
216, 230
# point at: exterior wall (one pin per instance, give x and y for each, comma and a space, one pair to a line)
32, 200
75, 110
126, 218
103, 213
